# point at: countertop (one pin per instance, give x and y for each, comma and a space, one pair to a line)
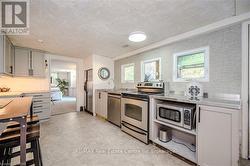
37, 91
19, 93
218, 102
11, 94
233, 104
18, 107
116, 91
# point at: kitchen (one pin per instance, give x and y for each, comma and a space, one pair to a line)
171, 94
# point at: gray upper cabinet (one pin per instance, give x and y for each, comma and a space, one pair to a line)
29, 63
22, 62
6, 56
9, 56
38, 64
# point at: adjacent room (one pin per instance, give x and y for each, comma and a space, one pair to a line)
125, 82
62, 87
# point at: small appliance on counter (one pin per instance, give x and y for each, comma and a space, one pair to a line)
165, 135
194, 90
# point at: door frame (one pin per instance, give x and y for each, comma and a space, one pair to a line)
245, 126
79, 77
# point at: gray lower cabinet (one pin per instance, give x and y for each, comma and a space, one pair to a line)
6, 56
29, 62
41, 104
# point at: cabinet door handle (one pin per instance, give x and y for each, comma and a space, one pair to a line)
99, 95
11, 69
199, 118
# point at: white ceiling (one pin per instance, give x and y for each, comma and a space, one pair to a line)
62, 66
83, 27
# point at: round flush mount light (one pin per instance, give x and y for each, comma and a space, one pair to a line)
40, 40
137, 36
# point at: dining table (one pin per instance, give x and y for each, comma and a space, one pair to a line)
17, 110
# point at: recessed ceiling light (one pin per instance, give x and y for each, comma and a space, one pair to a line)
137, 36
40, 40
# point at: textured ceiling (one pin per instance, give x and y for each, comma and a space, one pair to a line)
83, 27
58, 65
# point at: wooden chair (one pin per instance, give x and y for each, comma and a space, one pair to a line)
31, 120
10, 139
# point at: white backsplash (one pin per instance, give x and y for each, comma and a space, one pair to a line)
225, 61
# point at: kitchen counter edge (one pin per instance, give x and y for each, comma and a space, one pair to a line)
231, 104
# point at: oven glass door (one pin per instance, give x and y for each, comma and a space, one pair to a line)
135, 112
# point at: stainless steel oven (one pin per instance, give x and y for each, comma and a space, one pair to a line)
135, 109
134, 115
178, 114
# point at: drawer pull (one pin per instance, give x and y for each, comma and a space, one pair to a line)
38, 95
40, 106
37, 112
37, 101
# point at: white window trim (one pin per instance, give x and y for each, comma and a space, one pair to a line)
206, 64
150, 60
123, 74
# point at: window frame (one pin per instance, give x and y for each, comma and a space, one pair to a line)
123, 73
150, 60
188, 52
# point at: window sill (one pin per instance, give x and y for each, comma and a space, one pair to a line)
189, 80
128, 82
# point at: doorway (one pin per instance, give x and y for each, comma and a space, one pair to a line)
63, 87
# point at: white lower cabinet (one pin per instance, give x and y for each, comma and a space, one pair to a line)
41, 104
101, 105
218, 136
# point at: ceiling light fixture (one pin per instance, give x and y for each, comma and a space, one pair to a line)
40, 40
137, 36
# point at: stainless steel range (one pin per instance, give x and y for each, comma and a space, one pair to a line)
135, 109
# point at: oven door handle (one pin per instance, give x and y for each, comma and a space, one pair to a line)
133, 129
135, 98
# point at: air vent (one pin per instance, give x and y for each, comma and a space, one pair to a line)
125, 46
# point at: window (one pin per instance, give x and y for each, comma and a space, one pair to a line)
127, 73
191, 64
151, 70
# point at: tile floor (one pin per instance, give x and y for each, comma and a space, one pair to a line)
80, 139
66, 105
